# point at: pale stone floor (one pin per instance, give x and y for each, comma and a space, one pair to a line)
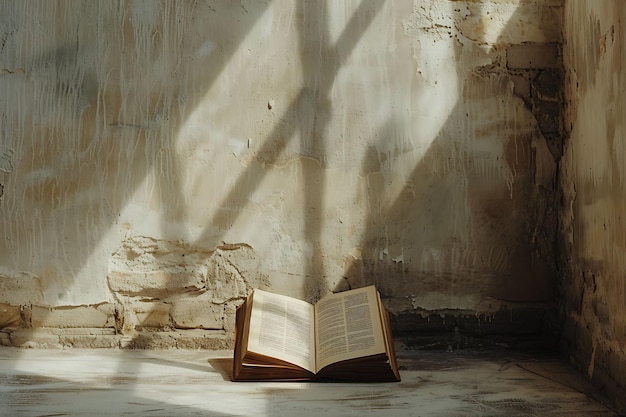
196, 383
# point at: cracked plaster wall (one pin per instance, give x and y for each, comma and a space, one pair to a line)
592, 178
408, 144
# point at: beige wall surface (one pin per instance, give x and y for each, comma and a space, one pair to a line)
154, 148
593, 180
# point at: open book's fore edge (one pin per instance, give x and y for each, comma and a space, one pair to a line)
391, 351
237, 355
386, 325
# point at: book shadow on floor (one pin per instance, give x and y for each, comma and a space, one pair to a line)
224, 366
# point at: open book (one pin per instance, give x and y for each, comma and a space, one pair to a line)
344, 336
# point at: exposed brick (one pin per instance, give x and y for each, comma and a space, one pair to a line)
204, 339
35, 338
179, 339
197, 313
107, 338
548, 85
548, 115
20, 290
27, 316
9, 316
154, 283
151, 340
234, 271
532, 56
96, 331
161, 268
91, 339
149, 276
100, 315
521, 86
151, 314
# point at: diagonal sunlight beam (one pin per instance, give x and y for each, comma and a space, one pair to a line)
444, 116
249, 181
95, 106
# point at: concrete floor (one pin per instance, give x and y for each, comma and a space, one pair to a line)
196, 383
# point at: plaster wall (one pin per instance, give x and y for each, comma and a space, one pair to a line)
592, 177
160, 156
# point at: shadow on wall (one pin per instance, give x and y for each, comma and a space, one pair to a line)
98, 95
447, 221
97, 117
307, 119
476, 217
92, 119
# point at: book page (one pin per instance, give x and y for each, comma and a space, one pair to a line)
282, 327
348, 326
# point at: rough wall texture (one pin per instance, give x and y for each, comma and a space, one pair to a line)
306, 147
593, 175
